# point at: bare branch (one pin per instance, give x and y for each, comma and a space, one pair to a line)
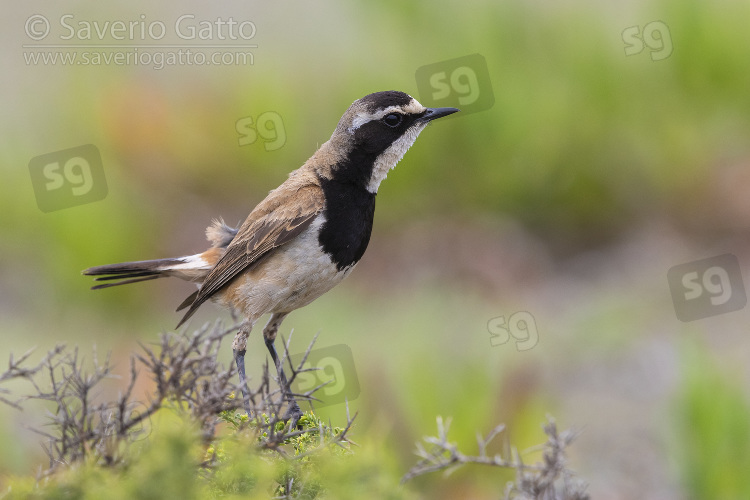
549, 480
82, 424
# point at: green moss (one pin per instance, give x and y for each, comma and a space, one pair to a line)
173, 463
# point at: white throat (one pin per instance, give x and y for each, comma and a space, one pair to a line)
388, 158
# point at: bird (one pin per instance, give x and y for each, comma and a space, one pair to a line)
304, 238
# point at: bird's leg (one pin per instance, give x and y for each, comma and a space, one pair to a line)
269, 335
239, 346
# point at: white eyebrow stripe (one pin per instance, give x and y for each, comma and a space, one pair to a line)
412, 108
363, 117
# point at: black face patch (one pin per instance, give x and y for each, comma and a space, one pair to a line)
376, 136
349, 214
369, 141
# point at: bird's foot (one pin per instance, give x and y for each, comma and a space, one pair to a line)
293, 414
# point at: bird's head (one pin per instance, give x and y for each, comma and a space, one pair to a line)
375, 133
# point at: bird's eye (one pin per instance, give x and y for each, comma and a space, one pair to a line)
392, 119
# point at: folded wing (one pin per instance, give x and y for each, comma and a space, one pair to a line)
278, 219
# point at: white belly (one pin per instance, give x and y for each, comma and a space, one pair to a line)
290, 277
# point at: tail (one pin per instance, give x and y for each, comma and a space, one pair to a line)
133, 272
191, 268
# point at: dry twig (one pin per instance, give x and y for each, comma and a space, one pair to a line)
549, 480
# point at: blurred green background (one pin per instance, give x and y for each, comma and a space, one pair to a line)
593, 173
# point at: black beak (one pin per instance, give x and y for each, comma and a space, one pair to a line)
434, 113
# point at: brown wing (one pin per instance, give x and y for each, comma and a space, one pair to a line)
278, 219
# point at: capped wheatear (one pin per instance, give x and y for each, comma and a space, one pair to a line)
306, 236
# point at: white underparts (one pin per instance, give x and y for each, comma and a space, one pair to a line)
291, 277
